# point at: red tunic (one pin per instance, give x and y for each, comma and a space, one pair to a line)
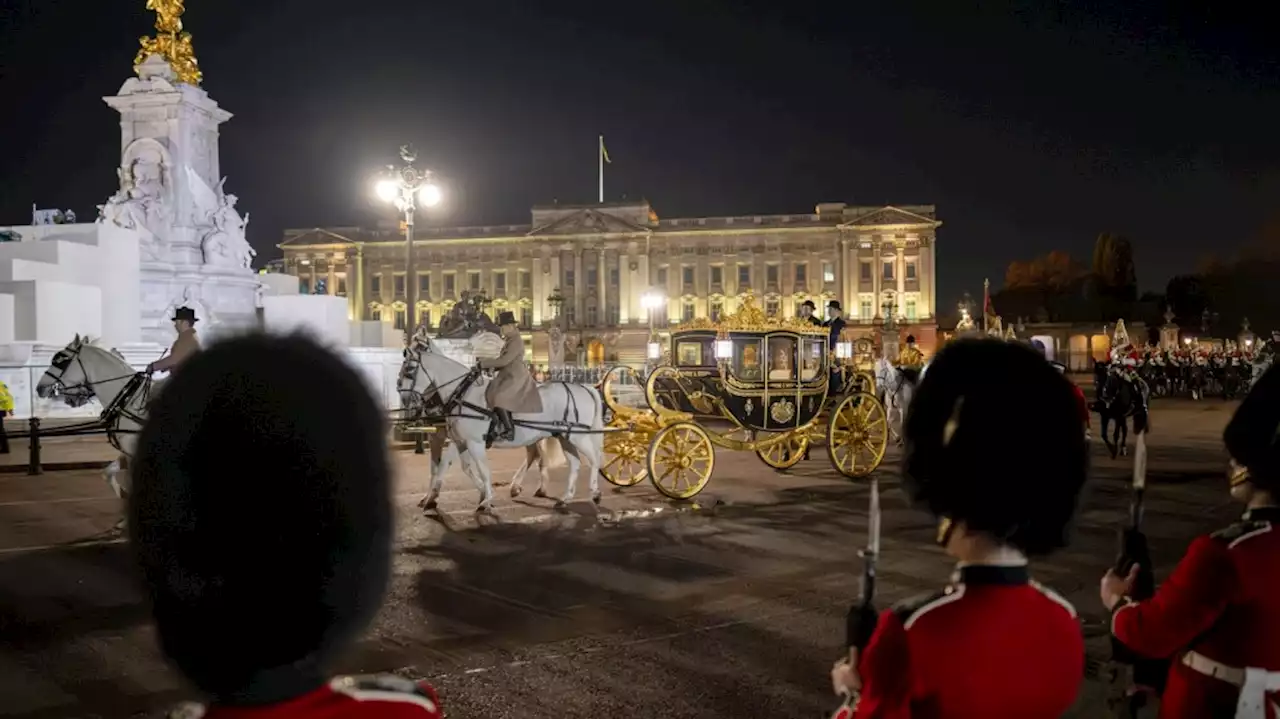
994, 645
1082, 404
377, 697
1220, 604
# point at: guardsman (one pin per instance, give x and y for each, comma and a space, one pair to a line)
1217, 617
993, 643
1082, 404
260, 572
807, 308
834, 324
513, 390
186, 344
6, 409
910, 360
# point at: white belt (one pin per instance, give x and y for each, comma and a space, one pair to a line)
1254, 683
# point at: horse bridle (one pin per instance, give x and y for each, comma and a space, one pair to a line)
409, 371
82, 391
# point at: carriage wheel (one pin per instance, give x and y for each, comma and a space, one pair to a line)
681, 458
786, 453
857, 434
624, 454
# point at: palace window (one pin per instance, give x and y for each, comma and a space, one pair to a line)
865, 311
473, 280
717, 275
887, 269
375, 314
864, 271
911, 269
802, 273
570, 313
375, 285
500, 282
744, 276
828, 272
771, 308
771, 275
526, 282
613, 277
397, 282
526, 317
424, 285
687, 312
591, 315
591, 277
717, 309
612, 315
687, 275
449, 280
399, 319
342, 286
911, 310
568, 278
304, 286
424, 316
662, 277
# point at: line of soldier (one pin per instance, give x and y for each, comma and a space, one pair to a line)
995, 643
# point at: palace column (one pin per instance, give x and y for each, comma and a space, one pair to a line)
579, 286
602, 288
357, 286
354, 309
933, 277
539, 288
843, 267
331, 281
625, 281
901, 271
877, 276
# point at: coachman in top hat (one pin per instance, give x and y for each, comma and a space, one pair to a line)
993, 643
1217, 616
186, 345
260, 572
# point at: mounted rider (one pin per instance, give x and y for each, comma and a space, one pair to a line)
186, 344
910, 360
956, 652
513, 391
1217, 616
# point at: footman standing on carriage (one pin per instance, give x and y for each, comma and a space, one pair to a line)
513, 390
260, 572
993, 643
807, 308
186, 344
1218, 614
835, 323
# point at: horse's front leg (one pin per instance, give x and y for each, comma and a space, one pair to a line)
1122, 429
517, 479
1106, 437
473, 455
443, 455
571, 486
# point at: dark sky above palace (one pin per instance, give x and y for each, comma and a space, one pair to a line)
1032, 126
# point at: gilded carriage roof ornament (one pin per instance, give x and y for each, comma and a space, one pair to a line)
750, 318
170, 42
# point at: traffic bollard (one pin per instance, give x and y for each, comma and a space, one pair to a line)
33, 458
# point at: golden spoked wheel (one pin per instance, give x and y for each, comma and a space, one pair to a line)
624, 458
787, 453
857, 435
681, 458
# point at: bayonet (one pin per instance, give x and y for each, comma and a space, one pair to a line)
860, 623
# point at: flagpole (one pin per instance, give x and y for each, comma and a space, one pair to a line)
986, 302
600, 154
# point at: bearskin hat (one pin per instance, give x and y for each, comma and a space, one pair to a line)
261, 515
993, 439
1252, 437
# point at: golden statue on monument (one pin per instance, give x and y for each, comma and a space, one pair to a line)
170, 42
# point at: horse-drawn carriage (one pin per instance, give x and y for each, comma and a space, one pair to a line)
749, 383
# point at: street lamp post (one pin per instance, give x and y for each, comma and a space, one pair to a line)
406, 187
652, 301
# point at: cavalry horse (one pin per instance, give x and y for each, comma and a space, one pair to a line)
571, 413
1118, 400
81, 371
895, 392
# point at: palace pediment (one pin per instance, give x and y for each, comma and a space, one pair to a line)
890, 216
317, 237
587, 222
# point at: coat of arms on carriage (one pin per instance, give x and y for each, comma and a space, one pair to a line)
782, 411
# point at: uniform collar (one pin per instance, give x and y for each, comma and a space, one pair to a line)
992, 574
1263, 514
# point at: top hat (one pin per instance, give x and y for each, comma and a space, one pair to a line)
506, 318
911, 339
809, 304
833, 305
185, 313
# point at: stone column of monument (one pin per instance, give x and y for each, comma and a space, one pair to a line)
192, 237
1168, 332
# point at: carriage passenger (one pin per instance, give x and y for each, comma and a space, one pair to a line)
261, 571
1218, 614
513, 390
993, 643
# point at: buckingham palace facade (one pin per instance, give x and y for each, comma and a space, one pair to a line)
594, 264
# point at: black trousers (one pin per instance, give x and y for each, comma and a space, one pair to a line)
4, 434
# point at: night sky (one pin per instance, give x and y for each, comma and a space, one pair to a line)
1030, 129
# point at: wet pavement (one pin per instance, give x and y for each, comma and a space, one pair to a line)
729, 606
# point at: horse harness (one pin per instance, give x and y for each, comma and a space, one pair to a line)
112, 414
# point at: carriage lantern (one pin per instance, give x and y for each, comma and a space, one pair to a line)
844, 350
655, 350
724, 349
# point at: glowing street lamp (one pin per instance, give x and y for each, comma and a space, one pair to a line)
406, 188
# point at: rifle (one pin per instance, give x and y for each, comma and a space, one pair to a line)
1127, 669
860, 623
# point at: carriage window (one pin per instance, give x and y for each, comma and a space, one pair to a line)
747, 364
811, 366
782, 358
689, 354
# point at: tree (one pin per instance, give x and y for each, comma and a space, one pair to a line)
1017, 275
1115, 277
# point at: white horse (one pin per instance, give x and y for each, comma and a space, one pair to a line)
572, 414
895, 394
83, 370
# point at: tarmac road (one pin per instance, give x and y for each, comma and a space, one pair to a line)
732, 607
